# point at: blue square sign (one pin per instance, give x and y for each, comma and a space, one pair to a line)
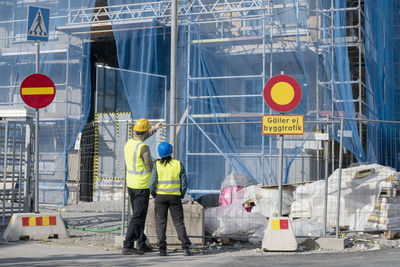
38, 23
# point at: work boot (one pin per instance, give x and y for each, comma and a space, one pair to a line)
163, 252
145, 248
131, 251
186, 252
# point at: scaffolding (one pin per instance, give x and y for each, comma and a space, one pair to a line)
60, 59
251, 28
263, 30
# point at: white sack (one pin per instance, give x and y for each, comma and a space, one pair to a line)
307, 227
266, 200
232, 220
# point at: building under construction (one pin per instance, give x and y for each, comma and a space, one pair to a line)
110, 62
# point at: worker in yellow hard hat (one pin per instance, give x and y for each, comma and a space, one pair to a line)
139, 166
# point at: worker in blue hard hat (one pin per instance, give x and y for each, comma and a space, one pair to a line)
168, 185
139, 166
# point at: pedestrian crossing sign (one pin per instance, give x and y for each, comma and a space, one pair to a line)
38, 23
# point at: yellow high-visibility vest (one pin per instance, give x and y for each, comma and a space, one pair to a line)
169, 182
137, 175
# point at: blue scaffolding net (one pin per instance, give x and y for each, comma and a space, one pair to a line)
227, 51
65, 60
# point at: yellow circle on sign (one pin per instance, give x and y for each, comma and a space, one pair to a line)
282, 93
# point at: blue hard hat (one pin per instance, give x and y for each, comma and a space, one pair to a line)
164, 149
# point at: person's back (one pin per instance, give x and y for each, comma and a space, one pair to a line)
138, 175
168, 185
139, 166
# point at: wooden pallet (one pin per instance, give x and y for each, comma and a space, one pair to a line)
391, 234
390, 192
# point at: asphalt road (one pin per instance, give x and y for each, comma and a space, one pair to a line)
36, 254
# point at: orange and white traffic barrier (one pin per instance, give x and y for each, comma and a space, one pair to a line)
35, 226
279, 235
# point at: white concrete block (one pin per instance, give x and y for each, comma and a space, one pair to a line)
332, 243
193, 219
119, 241
36, 226
279, 235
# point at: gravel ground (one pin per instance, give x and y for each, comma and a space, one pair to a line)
357, 243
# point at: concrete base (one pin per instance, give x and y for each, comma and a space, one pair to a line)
194, 223
332, 243
119, 241
35, 226
279, 235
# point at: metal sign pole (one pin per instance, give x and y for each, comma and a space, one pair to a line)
326, 182
37, 137
280, 169
280, 174
174, 41
339, 179
292, 93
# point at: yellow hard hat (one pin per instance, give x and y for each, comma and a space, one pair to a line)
142, 125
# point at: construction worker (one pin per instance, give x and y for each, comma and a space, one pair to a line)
139, 165
168, 186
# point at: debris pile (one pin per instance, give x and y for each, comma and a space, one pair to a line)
386, 213
369, 200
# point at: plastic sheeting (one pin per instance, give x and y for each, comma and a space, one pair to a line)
65, 59
266, 200
144, 54
358, 197
226, 53
382, 57
232, 220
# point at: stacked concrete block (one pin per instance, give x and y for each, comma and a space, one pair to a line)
194, 222
386, 214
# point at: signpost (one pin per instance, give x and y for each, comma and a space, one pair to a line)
282, 93
38, 23
36, 89
280, 124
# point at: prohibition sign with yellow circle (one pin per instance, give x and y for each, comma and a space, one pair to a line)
282, 93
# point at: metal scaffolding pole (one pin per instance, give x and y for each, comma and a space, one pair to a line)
174, 39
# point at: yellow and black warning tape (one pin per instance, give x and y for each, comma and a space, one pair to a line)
130, 130
96, 146
163, 134
112, 113
110, 178
116, 123
96, 151
98, 120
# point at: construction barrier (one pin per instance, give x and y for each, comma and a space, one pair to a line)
35, 226
279, 235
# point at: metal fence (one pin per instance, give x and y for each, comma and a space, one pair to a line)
342, 195
16, 188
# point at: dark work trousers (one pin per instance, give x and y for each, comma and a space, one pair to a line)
140, 202
174, 204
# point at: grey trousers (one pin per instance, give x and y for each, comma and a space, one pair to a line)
174, 204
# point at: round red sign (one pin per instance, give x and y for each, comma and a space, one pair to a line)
37, 90
282, 93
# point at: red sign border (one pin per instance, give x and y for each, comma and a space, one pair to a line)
296, 88
39, 76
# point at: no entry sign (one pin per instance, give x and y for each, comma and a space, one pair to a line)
37, 90
282, 93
